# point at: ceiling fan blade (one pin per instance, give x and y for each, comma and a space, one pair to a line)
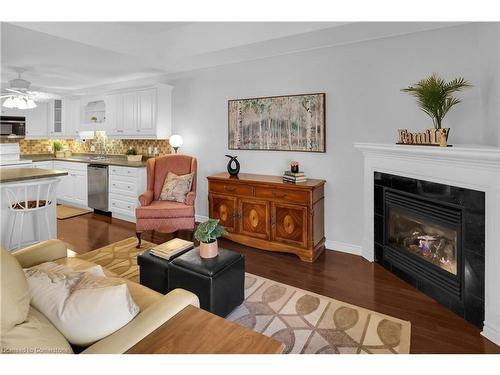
16, 91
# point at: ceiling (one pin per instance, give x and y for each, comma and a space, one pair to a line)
64, 57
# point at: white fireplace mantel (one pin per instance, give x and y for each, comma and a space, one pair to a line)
473, 167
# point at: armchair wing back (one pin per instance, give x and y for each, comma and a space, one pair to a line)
158, 168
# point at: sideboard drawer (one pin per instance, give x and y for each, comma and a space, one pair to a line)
236, 189
288, 195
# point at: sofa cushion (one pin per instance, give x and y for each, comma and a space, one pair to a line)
164, 209
82, 306
35, 335
14, 293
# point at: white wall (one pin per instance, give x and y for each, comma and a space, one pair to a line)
362, 82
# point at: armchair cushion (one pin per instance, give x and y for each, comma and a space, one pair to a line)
175, 188
164, 209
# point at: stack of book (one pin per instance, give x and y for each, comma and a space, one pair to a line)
294, 177
171, 248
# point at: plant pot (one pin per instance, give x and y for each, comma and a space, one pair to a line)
67, 153
59, 154
134, 157
443, 136
209, 250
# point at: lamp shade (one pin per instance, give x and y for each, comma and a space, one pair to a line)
175, 141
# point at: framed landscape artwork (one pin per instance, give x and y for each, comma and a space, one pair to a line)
278, 123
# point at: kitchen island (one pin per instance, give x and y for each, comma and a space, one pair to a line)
24, 185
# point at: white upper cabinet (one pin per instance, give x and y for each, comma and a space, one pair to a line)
36, 121
72, 118
56, 120
141, 113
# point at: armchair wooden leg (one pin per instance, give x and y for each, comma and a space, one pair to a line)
138, 234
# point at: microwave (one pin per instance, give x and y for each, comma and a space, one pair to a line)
13, 126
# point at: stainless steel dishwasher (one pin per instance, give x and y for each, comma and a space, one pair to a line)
97, 185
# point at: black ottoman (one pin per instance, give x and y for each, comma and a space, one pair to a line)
153, 271
218, 282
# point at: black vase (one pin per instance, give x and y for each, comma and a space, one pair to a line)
233, 171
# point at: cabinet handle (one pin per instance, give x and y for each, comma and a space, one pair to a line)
138, 130
129, 207
229, 188
273, 221
114, 184
279, 195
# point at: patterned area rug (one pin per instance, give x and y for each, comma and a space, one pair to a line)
310, 323
306, 322
119, 257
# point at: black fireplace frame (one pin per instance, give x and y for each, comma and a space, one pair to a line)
469, 303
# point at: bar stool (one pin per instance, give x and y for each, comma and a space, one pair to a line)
30, 198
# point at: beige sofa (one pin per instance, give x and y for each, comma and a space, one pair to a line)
26, 330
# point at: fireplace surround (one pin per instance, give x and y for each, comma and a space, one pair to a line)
432, 236
463, 166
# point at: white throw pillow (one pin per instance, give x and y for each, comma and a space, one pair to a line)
84, 306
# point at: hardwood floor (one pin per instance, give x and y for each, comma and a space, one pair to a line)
338, 275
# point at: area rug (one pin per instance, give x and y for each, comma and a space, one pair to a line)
310, 323
119, 257
306, 322
65, 212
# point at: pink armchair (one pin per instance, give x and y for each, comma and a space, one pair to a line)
165, 216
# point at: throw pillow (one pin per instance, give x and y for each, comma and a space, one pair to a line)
84, 306
175, 188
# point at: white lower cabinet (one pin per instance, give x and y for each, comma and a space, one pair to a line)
125, 186
72, 189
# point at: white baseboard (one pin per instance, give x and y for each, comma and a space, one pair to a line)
343, 247
200, 218
491, 333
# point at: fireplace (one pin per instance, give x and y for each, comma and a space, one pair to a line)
432, 236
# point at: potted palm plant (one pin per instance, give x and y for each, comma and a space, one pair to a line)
207, 233
434, 97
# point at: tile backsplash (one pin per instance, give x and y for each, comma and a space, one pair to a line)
111, 146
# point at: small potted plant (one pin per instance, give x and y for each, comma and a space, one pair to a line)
58, 149
207, 233
132, 155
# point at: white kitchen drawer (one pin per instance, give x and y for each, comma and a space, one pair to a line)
123, 185
122, 203
69, 165
123, 171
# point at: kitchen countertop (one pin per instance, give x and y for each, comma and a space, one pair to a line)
22, 174
85, 158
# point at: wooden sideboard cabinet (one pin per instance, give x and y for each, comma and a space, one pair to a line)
267, 213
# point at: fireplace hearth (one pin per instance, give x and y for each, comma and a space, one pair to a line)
432, 236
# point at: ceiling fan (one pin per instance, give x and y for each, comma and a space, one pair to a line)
18, 94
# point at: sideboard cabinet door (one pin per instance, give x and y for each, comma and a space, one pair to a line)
289, 224
225, 209
254, 218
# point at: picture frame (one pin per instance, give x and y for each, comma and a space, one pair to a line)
278, 123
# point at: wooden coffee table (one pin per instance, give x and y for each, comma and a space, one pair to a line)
196, 331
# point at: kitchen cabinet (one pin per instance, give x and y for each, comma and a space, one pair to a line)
72, 117
125, 186
140, 113
36, 121
56, 120
72, 188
